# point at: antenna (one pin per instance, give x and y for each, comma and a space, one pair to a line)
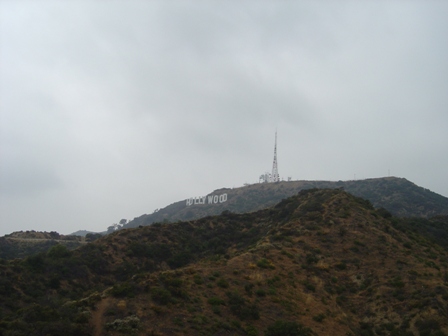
274, 176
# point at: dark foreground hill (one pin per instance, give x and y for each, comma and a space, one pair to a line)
399, 196
323, 262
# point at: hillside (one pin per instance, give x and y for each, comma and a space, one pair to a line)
22, 244
399, 196
323, 262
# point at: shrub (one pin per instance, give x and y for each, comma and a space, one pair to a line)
260, 292
173, 284
341, 299
215, 301
311, 259
198, 279
319, 317
180, 259
264, 263
251, 331
284, 328
36, 262
124, 289
160, 295
216, 310
384, 213
239, 308
248, 288
341, 266
54, 283
309, 286
427, 327
128, 324
38, 313
223, 283
58, 251
397, 282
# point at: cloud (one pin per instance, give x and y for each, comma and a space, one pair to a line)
109, 110
26, 178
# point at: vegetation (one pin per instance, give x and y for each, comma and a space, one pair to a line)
22, 244
284, 328
322, 262
393, 196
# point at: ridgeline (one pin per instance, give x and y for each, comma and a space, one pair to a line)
399, 196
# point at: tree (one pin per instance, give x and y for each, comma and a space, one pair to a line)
111, 228
58, 251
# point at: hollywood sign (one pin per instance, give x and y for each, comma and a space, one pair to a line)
211, 199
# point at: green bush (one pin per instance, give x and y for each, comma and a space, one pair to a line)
124, 289
311, 259
248, 288
428, 327
397, 282
180, 259
319, 317
36, 262
215, 301
341, 266
58, 251
198, 279
264, 263
223, 283
239, 308
285, 328
160, 295
309, 286
260, 292
251, 331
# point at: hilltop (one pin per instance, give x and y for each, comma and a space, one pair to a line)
323, 262
399, 196
24, 243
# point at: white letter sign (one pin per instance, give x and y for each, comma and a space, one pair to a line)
211, 199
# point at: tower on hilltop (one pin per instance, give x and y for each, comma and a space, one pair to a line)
274, 175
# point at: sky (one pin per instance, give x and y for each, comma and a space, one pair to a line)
112, 109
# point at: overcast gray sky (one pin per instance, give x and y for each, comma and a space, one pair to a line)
111, 109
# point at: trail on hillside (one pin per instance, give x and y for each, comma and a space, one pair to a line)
98, 317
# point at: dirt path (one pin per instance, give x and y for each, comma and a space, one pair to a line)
98, 317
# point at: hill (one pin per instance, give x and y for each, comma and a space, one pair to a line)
323, 262
21, 244
83, 233
399, 196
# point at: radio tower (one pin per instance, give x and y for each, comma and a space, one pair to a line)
274, 176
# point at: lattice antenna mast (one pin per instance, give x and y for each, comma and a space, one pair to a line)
274, 176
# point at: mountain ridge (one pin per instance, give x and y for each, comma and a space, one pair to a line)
397, 195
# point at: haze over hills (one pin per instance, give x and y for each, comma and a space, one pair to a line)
322, 262
399, 196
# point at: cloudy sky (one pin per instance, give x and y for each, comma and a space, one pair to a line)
111, 109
